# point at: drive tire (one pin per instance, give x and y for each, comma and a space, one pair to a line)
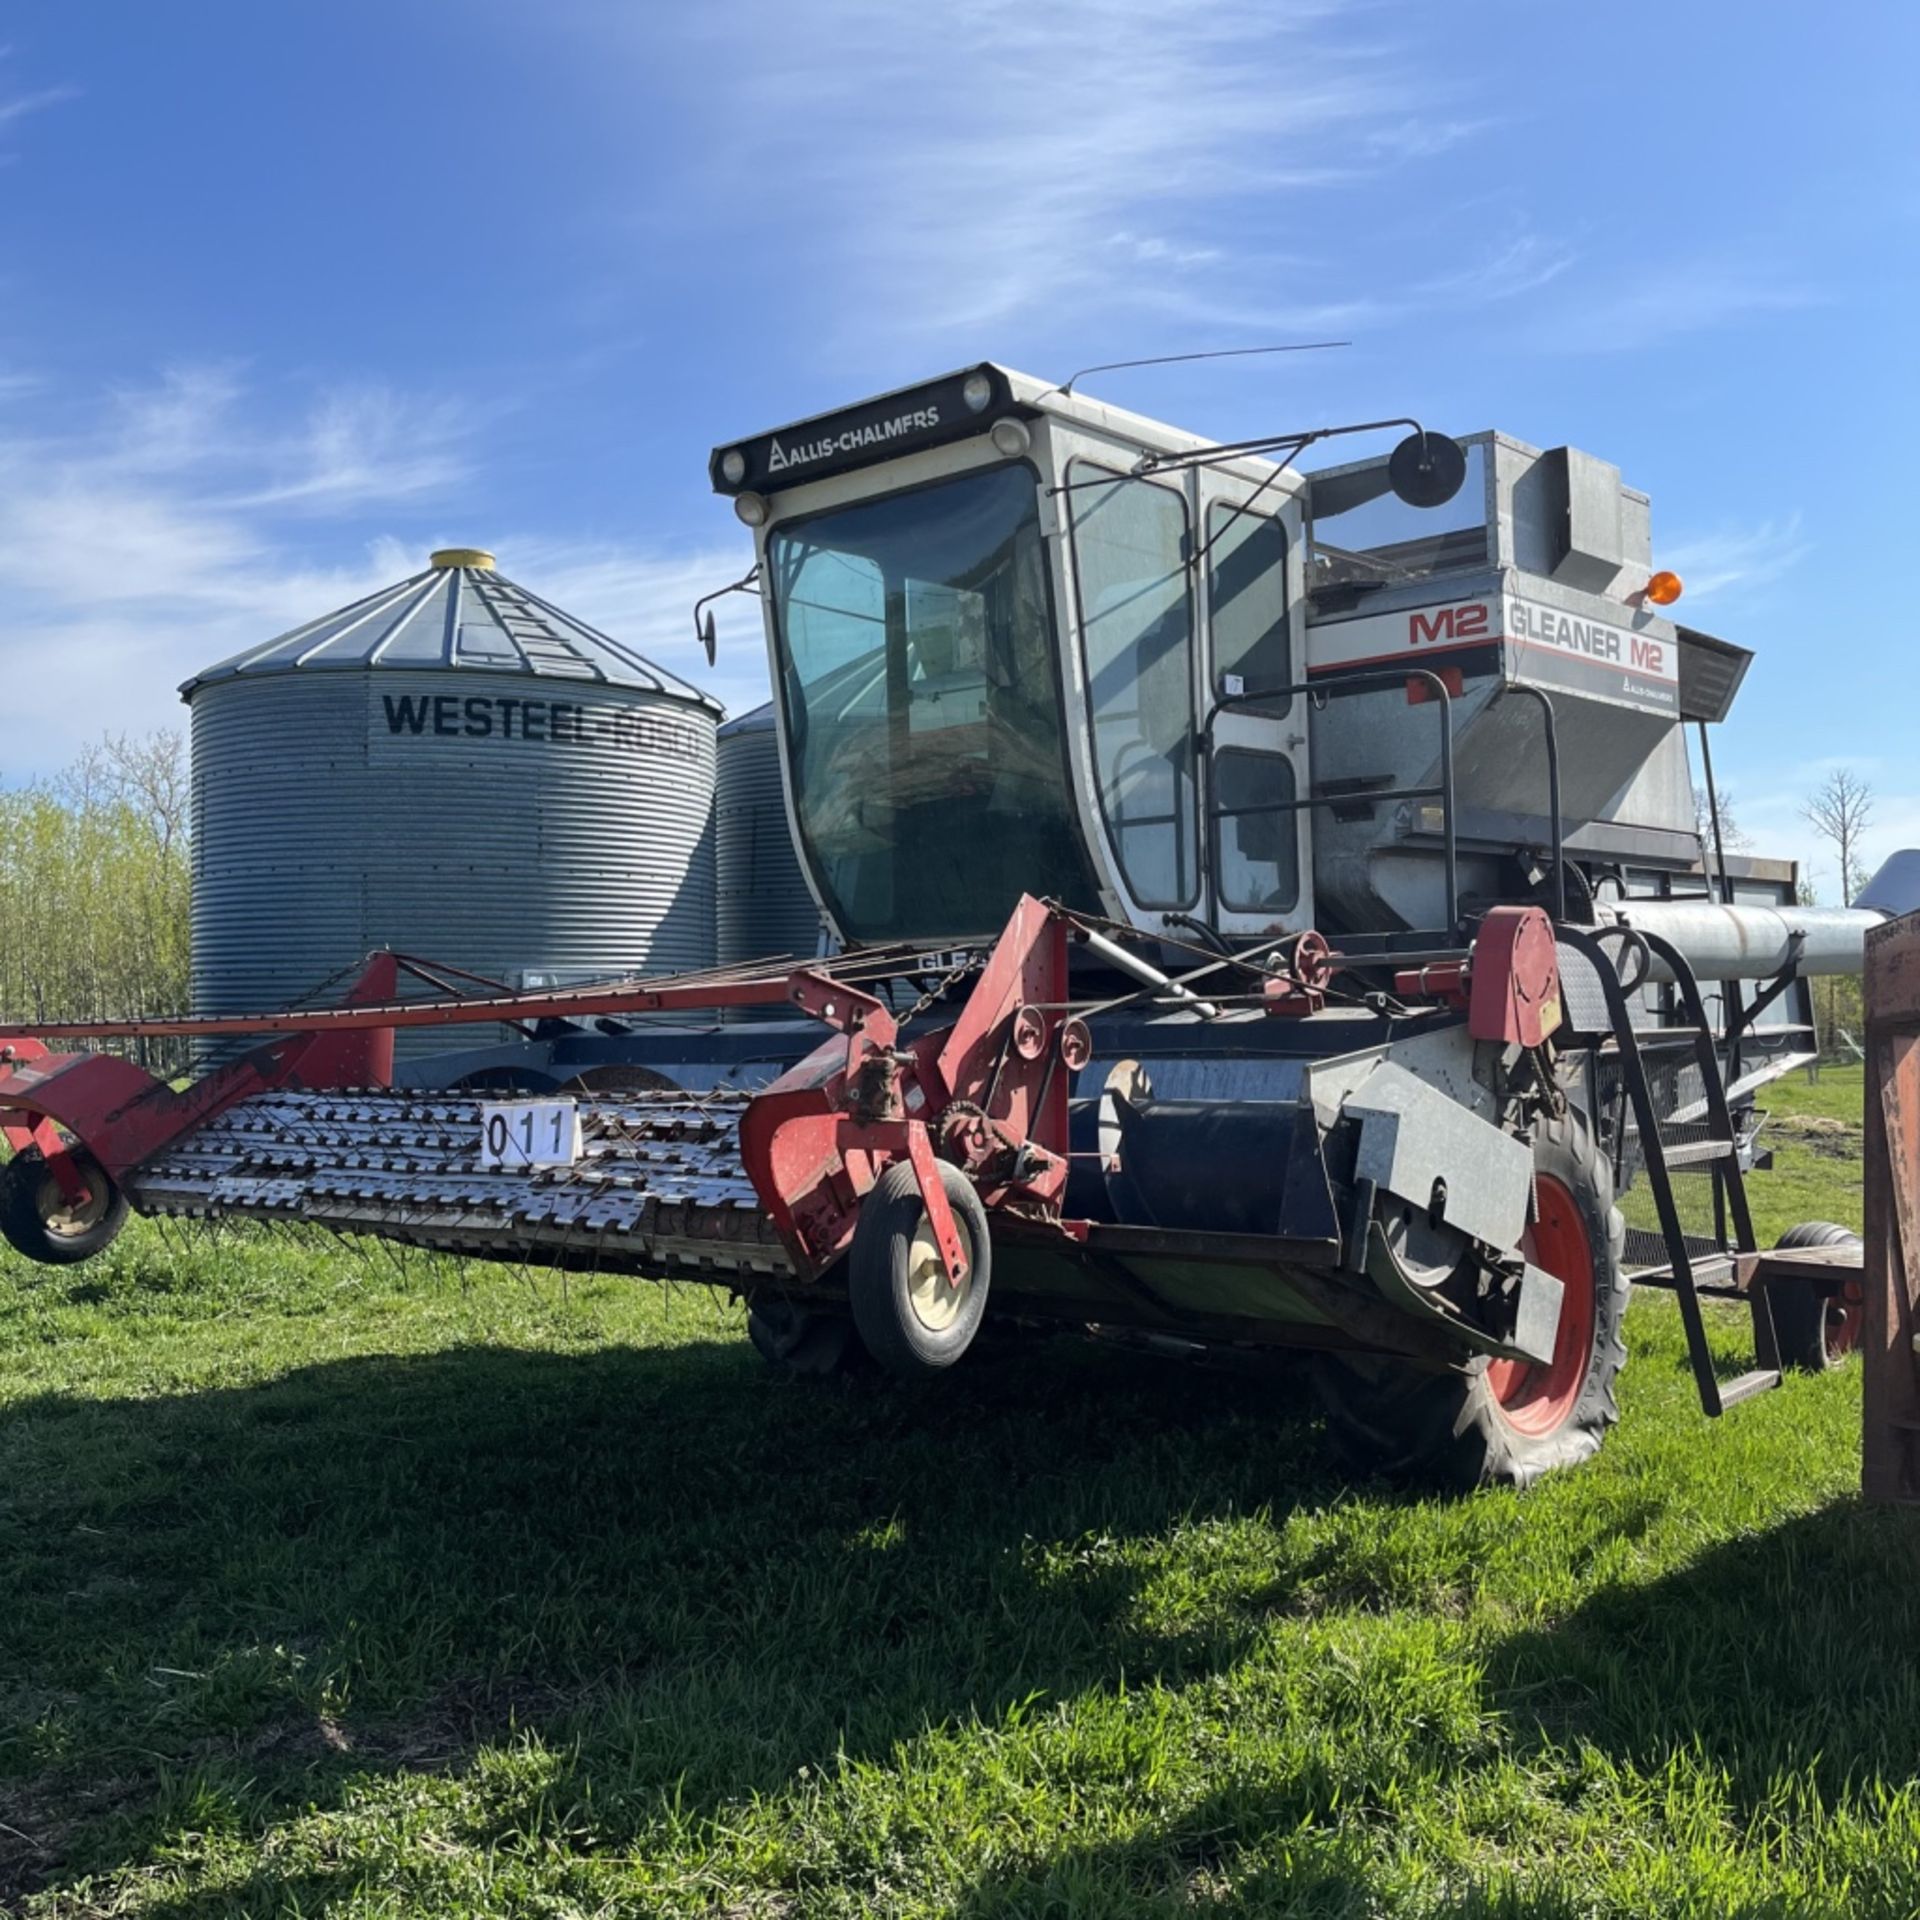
1815, 1331
802, 1342
1506, 1422
901, 1306
38, 1220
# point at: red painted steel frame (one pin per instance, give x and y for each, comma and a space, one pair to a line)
988, 1093
816, 1141
122, 1115
803, 988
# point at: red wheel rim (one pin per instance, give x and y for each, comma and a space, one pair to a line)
1845, 1318
1535, 1398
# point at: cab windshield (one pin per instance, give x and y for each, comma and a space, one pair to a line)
916, 652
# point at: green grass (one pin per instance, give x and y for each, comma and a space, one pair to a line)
329, 1585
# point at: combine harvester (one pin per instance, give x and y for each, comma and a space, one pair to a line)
1352, 931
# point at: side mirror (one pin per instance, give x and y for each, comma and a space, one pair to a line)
1426, 469
708, 637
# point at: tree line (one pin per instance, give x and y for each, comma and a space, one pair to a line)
95, 890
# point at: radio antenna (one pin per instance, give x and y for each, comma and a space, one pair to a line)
1218, 353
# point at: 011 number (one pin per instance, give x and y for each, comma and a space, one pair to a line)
529, 1133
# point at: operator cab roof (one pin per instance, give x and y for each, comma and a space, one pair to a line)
930, 413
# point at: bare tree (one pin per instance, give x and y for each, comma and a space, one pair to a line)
1731, 831
1840, 810
146, 776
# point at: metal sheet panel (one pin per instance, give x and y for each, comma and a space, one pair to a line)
1412, 1135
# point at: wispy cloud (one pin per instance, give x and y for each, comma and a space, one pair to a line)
18, 106
1420, 136
370, 445
180, 523
1726, 558
1665, 301
989, 159
1523, 262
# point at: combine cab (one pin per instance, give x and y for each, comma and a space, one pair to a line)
1353, 927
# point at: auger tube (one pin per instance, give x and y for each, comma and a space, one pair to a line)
1749, 942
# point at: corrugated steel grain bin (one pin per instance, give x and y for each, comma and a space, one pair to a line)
455, 769
763, 907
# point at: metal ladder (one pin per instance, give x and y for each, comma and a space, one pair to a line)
528, 629
1690, 1278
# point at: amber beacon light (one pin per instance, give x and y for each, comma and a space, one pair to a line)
1664, 589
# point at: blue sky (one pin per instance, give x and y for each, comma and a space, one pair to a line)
291, 293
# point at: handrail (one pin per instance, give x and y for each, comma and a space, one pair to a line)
1323, 688
1553, 797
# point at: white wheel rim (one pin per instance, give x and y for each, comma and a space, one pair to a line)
935, 1304
67, 1219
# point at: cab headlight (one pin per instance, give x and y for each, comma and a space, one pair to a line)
977, 391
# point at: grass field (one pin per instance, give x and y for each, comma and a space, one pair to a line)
328, 1584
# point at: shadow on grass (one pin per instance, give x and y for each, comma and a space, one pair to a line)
1786, 1651
690, 1580
1778, 1666
218, 1606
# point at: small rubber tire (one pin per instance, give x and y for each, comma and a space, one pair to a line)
803, 1342
1815, 1331
888, 1261
33, 1208
1493, 1422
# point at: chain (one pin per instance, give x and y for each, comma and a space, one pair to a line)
938, 991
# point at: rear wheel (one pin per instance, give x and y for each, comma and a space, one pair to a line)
911, 1317
798, 1340
41, 1220
1506, 1422
1814, 1330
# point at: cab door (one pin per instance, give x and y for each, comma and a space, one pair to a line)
1249, 582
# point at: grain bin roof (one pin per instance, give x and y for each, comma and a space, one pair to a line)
460, 613
759, 720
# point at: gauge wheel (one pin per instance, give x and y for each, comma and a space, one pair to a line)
911, 1317
801, 1341
1813, 1330
1490, 1422
41, 1221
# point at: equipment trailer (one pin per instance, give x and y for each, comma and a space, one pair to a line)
1329, 1009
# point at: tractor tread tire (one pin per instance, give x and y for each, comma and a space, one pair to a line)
27, 1232
877, 1267
1445, 1427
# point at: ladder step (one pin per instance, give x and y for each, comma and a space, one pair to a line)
1732, 1392
1659, 1039
1693, 1153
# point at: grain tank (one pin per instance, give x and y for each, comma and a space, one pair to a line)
452, 767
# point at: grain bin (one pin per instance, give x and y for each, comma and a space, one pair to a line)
454, 768
763, 906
